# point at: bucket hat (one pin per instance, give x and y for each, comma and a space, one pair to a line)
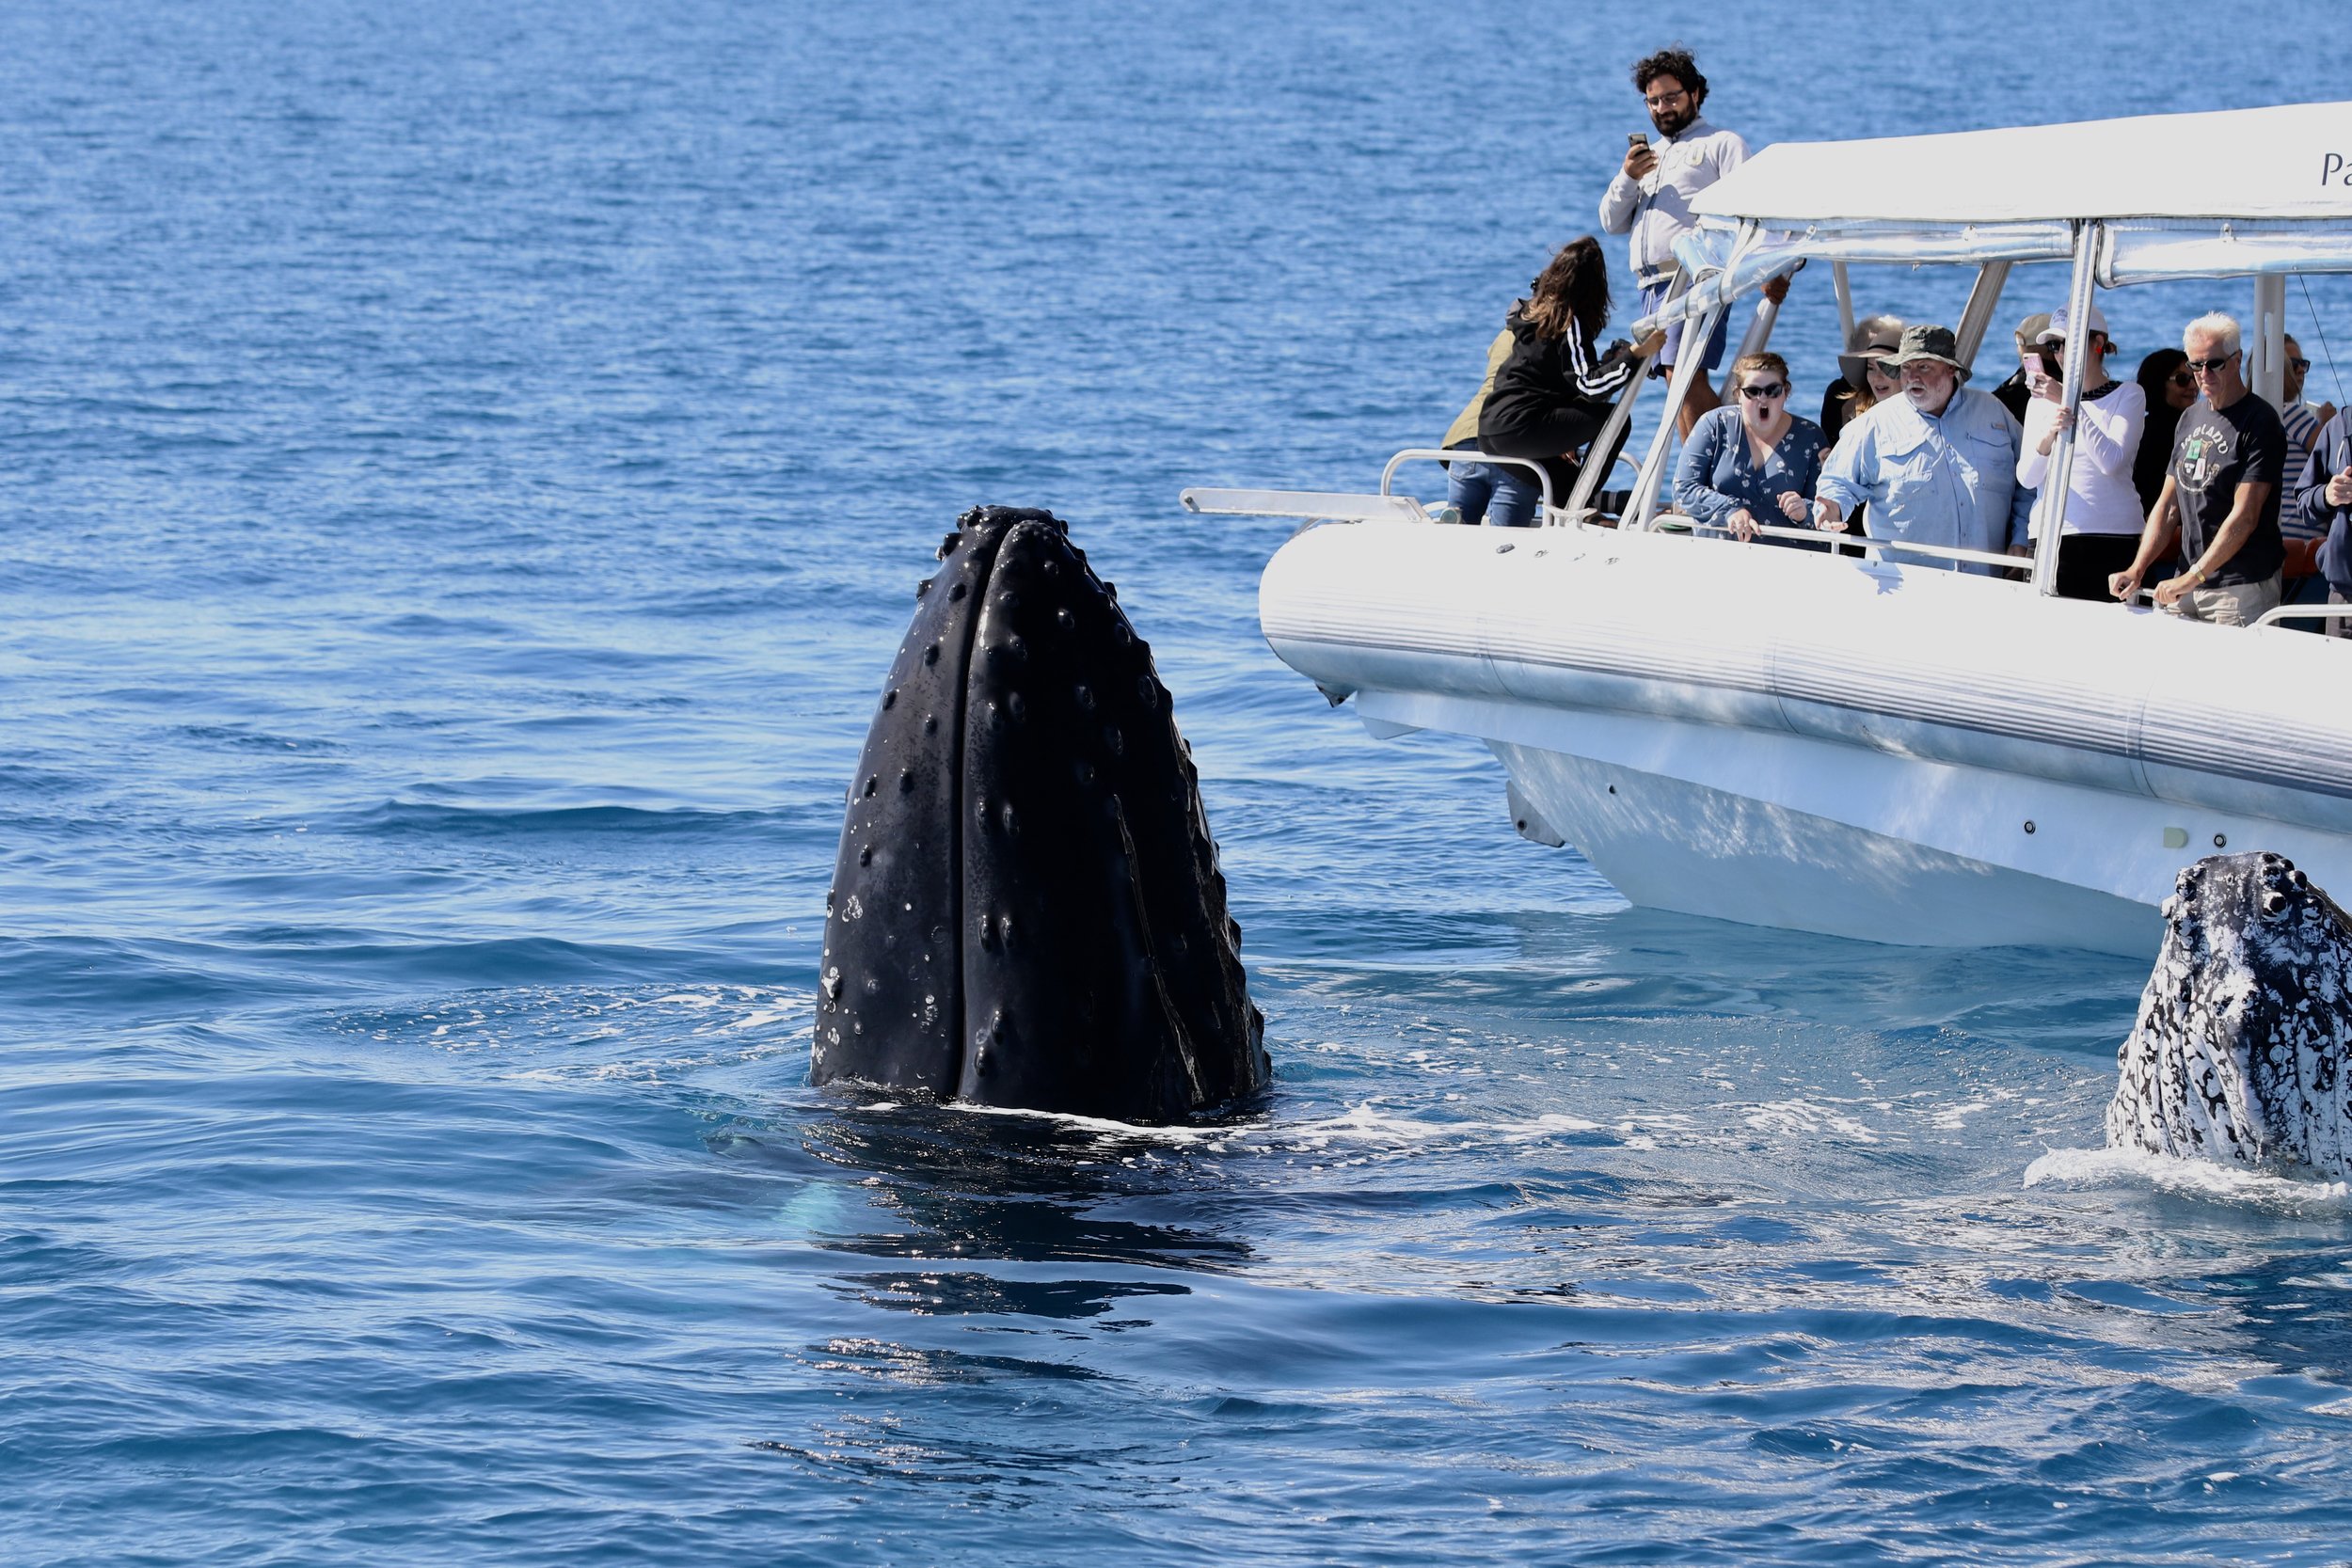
1929, 342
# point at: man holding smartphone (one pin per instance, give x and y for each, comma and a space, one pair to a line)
1650, 196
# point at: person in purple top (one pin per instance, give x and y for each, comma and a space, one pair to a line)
1754, 464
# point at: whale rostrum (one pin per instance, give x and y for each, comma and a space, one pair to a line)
1026, 910
2242, 1049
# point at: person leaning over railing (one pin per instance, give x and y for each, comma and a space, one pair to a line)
1938, 466
2221, 496
2104, 517
2326, 492
1555, 390
1752, 464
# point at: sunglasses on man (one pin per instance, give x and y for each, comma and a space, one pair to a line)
1765, 391
2211, 366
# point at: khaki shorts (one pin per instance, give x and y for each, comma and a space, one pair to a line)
2239, 604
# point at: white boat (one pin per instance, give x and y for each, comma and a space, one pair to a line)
1879, 747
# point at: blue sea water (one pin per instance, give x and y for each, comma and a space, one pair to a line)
465, 472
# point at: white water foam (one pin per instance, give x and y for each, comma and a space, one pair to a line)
2199, 1178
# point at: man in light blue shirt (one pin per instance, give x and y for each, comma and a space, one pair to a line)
1938, 466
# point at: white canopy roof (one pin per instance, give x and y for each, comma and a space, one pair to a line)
2289, 162
2233, 193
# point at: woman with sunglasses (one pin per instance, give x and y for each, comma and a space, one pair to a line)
2104, 517
2168, 389
1863, 380
1751, 464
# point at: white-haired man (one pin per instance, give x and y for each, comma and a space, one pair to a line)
2220, 497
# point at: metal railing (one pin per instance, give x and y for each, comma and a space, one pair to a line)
2305, 612
1464, 454
1938, 552
1312, 505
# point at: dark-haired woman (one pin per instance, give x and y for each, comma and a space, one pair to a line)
2164, 377
1554, 393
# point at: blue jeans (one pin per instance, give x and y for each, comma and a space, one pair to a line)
1503, 494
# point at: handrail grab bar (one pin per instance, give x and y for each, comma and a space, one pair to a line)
2304, 612
1463, 454
1941, 552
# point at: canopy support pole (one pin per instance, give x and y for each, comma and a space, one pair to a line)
1644, 501
1654, 466
1977, 314
1845, 305
1589, 476
2266, 346
1759, 334
2049, 508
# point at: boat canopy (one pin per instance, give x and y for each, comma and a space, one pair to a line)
2227, 194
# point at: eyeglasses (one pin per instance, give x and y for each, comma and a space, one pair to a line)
2211, 366
1766, 390
2181, 379
2300, 367
1666, 99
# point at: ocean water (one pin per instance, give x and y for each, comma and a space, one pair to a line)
462, 473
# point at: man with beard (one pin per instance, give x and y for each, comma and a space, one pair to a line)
1651, 197
1938, 466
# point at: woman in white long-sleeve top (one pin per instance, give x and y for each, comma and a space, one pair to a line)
2104, 517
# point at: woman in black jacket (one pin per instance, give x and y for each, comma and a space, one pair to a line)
1554, 393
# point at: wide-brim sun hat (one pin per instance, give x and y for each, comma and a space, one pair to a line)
1873, 337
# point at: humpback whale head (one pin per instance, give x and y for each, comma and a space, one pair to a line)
1027, 909
2240, 1051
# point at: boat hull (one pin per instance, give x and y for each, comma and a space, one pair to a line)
1786, 739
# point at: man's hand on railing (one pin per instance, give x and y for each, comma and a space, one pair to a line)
1828, 516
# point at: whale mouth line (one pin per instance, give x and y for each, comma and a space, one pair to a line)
958, 1067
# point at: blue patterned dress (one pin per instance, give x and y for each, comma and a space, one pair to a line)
1717, 474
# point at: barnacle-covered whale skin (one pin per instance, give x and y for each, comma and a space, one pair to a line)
2240, 1050
1026, 910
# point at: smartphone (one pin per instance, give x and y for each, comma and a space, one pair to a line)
1636, 139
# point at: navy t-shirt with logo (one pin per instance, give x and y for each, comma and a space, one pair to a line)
2215, 451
